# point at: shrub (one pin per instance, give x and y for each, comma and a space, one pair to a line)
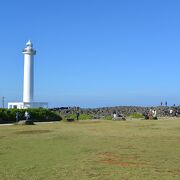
39, 114
81, 117
137, 115
70, 116
85, 116
109, 117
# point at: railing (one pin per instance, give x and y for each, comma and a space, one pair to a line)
29, 51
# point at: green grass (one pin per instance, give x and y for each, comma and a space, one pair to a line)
98, 150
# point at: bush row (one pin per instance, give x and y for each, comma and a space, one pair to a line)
40, 115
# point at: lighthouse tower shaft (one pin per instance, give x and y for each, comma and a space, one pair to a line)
28, 87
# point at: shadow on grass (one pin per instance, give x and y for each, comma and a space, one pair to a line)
33, 132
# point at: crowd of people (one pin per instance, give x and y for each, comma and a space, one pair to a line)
151, 114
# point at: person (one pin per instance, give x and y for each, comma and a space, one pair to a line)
150, 114
175, 114
17, 116
161, 103
114, 115
171, 112
154, 114
77, 115
153, 111
145, 114
166, 103
27, 116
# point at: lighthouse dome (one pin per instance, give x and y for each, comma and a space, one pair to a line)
29, 48
29, 43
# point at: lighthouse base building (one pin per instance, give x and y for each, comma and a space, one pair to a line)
26, 105
28, 86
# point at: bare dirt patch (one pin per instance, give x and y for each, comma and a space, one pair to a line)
121, 160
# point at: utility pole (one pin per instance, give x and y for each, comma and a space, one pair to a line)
3, 101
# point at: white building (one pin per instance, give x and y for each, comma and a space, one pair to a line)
28, 87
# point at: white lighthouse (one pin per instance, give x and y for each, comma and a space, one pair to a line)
28, 84
28, 88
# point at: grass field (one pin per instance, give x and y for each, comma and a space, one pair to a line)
103, 150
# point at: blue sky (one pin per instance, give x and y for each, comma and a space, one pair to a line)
93, 53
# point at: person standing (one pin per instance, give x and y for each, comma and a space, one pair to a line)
77, 115
114, 115
17, 116
154, 114
26, 115
150, 114
166, 103
171, 112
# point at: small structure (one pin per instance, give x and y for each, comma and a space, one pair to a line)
28, 87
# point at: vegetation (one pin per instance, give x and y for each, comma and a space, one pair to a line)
98, 150
82, 116
108, 117
40, 114
137, 115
